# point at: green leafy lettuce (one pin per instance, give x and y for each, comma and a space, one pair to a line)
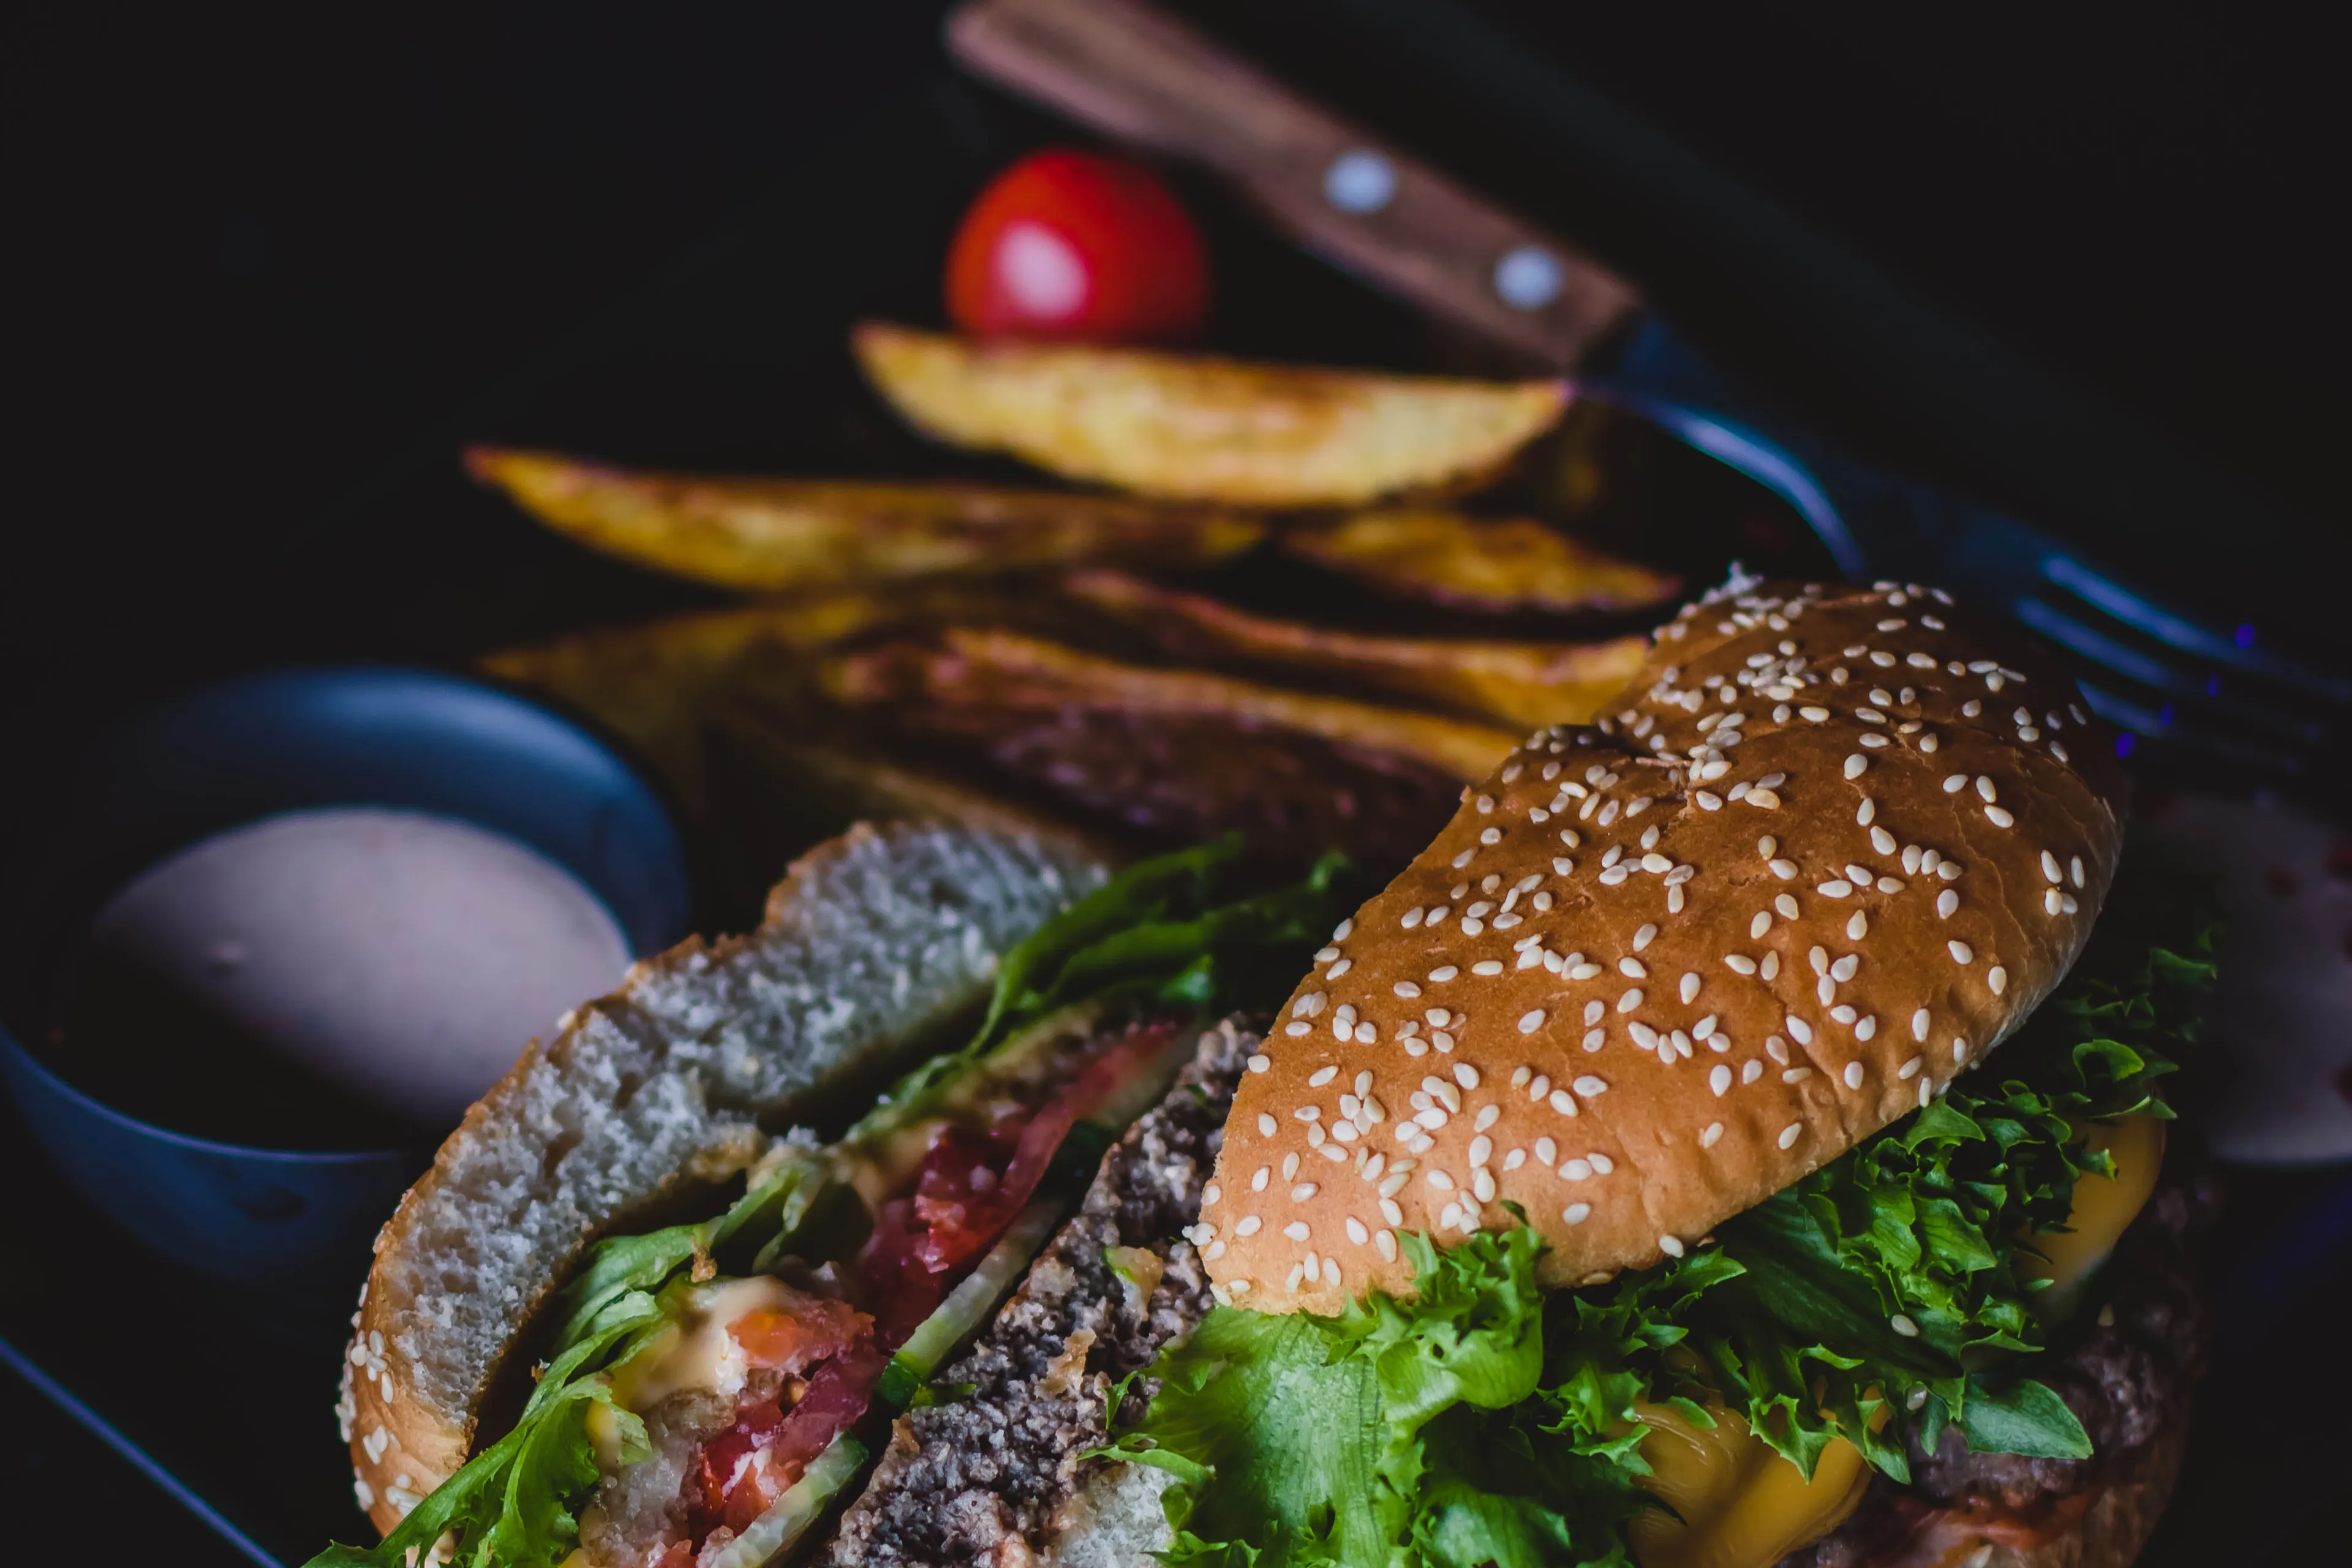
1486, 1422
1155, 935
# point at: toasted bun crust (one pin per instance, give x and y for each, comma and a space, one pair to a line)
872, 941
1651, 974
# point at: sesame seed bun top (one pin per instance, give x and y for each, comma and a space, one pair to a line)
1837, 844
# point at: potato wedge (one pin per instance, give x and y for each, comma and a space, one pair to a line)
1521, 684
1482, 563
775, 534
1154, 759
1050, 671
1206, 429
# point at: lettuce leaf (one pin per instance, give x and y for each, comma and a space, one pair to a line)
1482, 1423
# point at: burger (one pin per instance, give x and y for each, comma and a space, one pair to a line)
1625, 1182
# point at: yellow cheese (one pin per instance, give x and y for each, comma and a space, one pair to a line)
1742, 1505
2103, 1207
696, 1351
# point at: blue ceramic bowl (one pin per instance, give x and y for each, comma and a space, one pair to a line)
251, 748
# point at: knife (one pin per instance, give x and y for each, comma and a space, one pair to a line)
1139, 76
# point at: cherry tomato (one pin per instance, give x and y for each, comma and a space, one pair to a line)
1076, 245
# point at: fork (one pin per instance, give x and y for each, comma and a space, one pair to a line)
2173, 685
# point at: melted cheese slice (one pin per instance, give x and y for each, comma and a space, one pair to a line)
696, 1352
2103, 1207
1742, 1505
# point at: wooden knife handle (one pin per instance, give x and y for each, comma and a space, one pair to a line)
1133, 73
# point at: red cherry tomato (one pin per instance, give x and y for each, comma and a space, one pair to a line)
1076, 245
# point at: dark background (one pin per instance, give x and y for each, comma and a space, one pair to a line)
254, 253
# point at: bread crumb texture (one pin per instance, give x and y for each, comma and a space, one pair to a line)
871, 941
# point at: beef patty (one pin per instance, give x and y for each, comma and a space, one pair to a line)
980, 1479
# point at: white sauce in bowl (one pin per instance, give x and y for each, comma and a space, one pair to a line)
405, 957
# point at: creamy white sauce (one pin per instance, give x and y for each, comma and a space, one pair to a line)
403, 956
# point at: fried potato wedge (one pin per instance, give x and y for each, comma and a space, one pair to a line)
1521, 684
771, 534
657, 685
1482, 563
1204, 429
1050, 671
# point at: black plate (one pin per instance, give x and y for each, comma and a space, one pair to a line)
735, 359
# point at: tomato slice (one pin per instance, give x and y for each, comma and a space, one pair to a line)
1076, 245
747, 1467
970, 1185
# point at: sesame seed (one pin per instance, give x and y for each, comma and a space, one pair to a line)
1784, 870
1296, 1230
1751, 1071
1960, 1050
1947, 902
1718, 1079
1248, 1225
1439, 1180
1560, 1102
1488, 966
1594, 1039
1321, 1075
1631, 1000
1798, 1030
1956, 783
1265, 1124
1356, 1231
1302, 1192
1631, 969
1854, 1075
1910, 1069
1588, 1085
1576, 1171
2074, 870
1739, 962
1406, 990
1690, 988
1837, 888
1528, 1024
1855, 765
1439, 976
1412, 917
1384, 1242
1904, 1326
1788, 907
1671, 1245
1576, 1214
2001, 817
1790, 1133
1341, 967
1260, 1062
1297, 1027
1858, 927
1961, 953
1813, 715
1996, 979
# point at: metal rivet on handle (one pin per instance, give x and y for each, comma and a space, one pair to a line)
1361, 181
1528, 278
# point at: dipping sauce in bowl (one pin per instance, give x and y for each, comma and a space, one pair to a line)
341, 973
278, 933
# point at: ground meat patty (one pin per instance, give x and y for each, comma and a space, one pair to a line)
979, 1481
2127, 1381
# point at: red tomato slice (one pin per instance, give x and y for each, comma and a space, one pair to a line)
747, 1467
1076, 245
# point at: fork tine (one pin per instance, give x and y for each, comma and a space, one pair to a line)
2122, 658
2234, 652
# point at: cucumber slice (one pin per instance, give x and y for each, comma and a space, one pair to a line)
789, 1517
969, 1304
